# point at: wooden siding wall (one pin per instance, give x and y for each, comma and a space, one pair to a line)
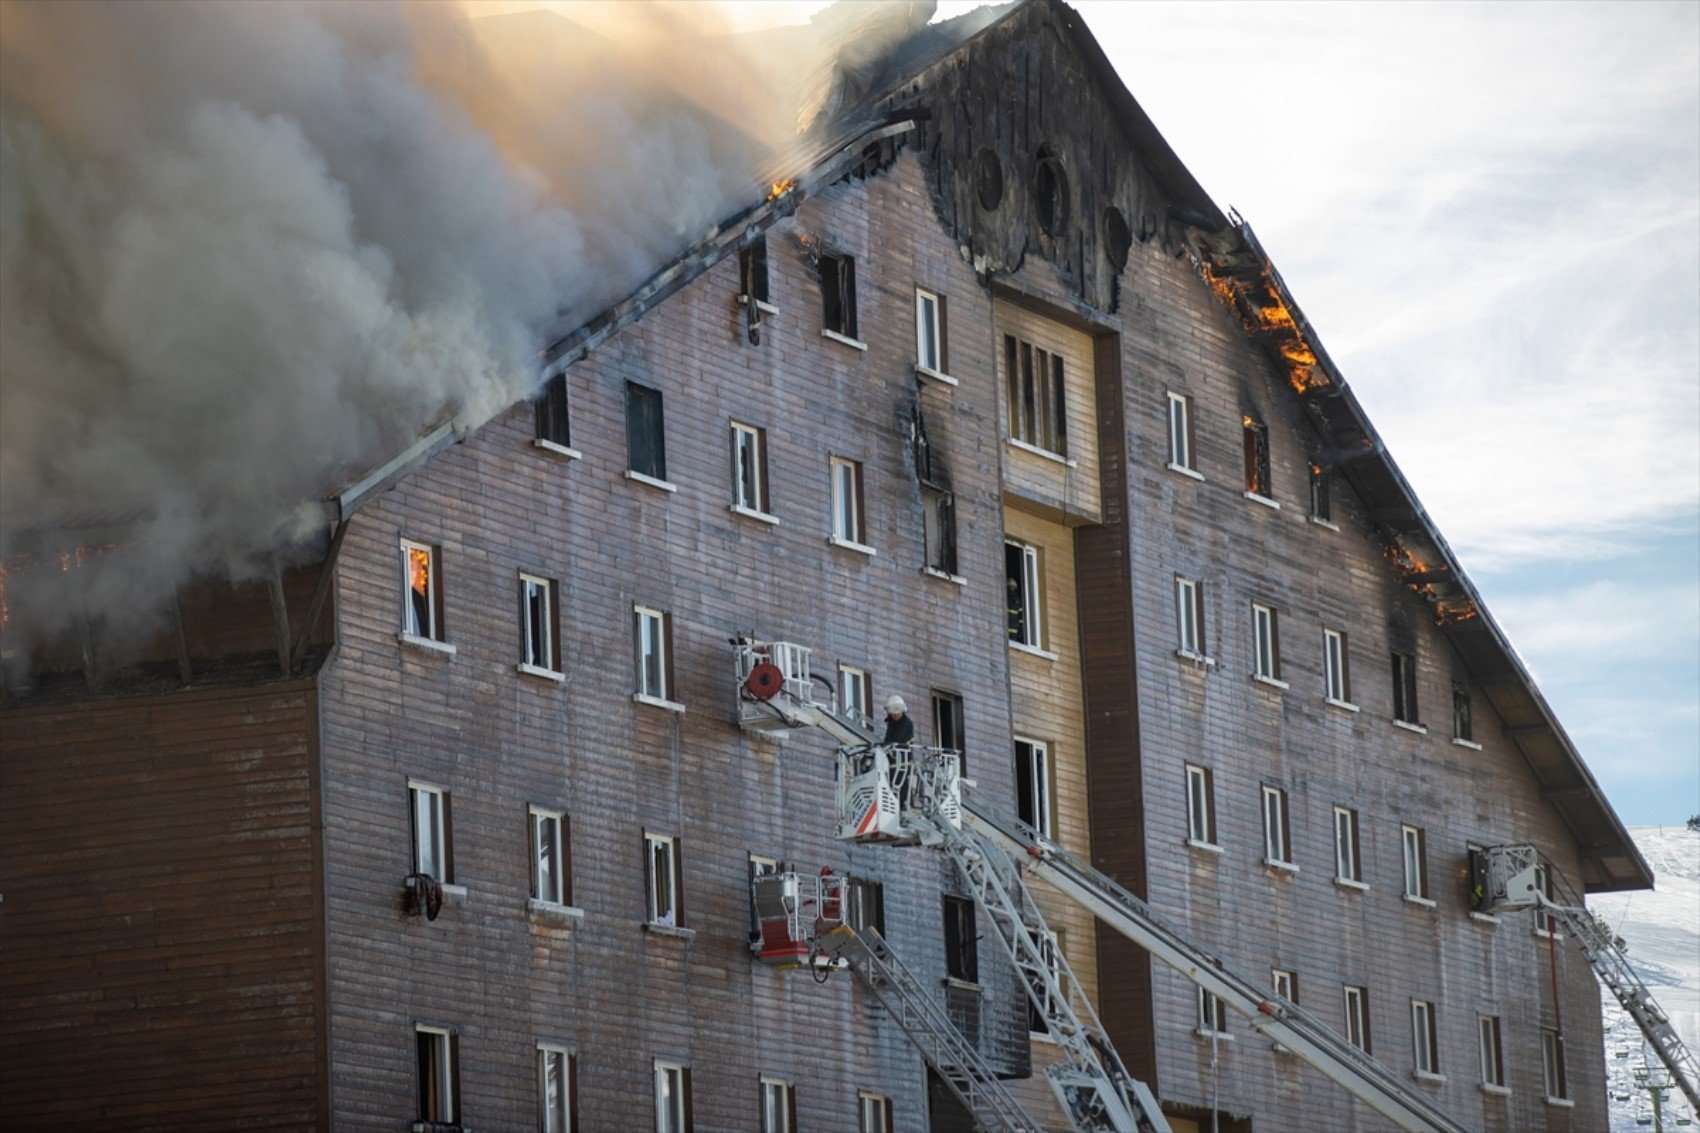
161, 931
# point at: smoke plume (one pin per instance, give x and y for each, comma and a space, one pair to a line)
248, 250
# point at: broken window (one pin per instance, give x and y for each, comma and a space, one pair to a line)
1277, 833
940, 519
1200, 805
961, 950
653, 643
1357, 1017
556, 1092
1266, 642
1285, 984
1180, 431
554, 425
749, 468
672, 1098
1189, 616
864, 905
1545, 923
551, 876
646, 441
1257, 458
855, 691
1337, 685
1461, 726
1346, 844
428, 810
1404, 687
439, 1075
929, 332
838, 293
1212, 1014
1321, 502
1024, 583
752, 271
847, 522
1038, 410
539, 648
947, 724
661, 879
1416, 861
1033, 785
422, 601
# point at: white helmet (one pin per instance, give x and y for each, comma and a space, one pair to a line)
894, 703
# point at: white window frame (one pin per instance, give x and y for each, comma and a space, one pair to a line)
433, 849
1189, 620
929, 316
1489, 1043
1265, 639
1032, 588
1357, 1017
760, 865
661, 879
1546, 925
873, 1112
446, 1104
749, 479
1425, 1042
557, 892
1180, 432
1212, 1014
555, 1115
1337, 680
1200, 806
1040, 775
650, 628
1285, 984
849, 524
1555, 1082
849, 676
778, 1101
1347, 845
671, 1079
410, 626
1277, 828
1051, 945
540, 658
1414, 854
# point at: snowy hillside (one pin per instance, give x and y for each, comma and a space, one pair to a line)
1662, 929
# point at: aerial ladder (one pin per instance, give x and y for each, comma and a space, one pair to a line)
913, 796
1517, 878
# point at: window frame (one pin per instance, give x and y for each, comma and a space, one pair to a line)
1277, 829
1036, 397
1189, 618
864, 904
1321, 496
938, 520
961, 934
1037, 783
432, 630
552, 416
1029, 631
1546, 924
678, 1118
787, 1110
1052, 950
1413, 855
1284, 982
754, 500
846, 492
673, 916
838, 282
1463, 713
537, 818
1255, 446
1336, 667
656, 472
1266, 643
543, 656
1180, 432
643, 617
1212, 1013
928, 300
1404, 672
1555, 1080
851, 676
562, 1116
759, 865
951, 705
1348, 847
1357, 1031
1490, 1042
441, 829
754, 278
869, 1103
1425, 1039
1200, 806
444, 1107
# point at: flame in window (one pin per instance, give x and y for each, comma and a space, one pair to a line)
419, 570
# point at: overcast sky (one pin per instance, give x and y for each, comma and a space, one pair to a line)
1491, 214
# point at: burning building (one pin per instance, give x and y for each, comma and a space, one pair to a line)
454, 820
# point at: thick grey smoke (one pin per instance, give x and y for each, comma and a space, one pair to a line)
248, 247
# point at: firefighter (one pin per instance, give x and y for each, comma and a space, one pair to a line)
899, 729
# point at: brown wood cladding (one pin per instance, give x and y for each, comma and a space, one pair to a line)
162, 925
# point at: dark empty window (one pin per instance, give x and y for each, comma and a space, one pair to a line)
1038, 406
838, 293
1257, 458
864, 905
961, 953
1321, 506
553, 423
1404, 687
1461, 713
940, 516
439, 1076
752, 271
947, 722
646, 438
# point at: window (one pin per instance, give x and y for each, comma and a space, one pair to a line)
961, 952
1416, 862
557, 1093
864, 905
855, 691
838, 294
1552, 1064
940, 520
947, 724
1285, 984
778, 1106
538, 646
1257, 458
1180, 431
1424, 1041
1038, 407
873, 1113
1033, 785
429, 808
752, 271
551, 878
1200, 806
1493, 1059
652, 632
646, 434
1461, 729
1212, 1014
1189, 615
1321, 501
1277, 835
929, 332
439, 1075
1337, 681
661, 879
672, 1097
847, 522
1026, 594
554, 425
749, 468
1346, 845
1545, 923
1404, 687
422, 607
1051, 945
1266, 643
1357, 1017
759, 867
1476, 859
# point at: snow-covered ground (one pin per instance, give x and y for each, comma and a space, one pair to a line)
1662, 930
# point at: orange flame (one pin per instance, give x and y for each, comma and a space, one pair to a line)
778, 189
419, 569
